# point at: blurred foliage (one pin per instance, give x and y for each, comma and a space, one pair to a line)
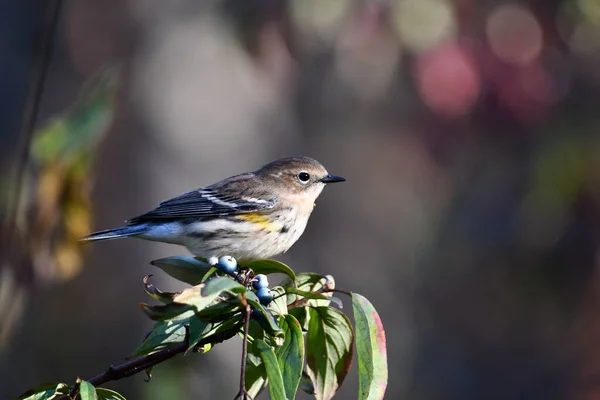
299, 336
39, 235
63, 153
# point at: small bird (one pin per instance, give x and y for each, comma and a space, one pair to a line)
254, 215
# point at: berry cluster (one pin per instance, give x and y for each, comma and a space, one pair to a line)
260, 283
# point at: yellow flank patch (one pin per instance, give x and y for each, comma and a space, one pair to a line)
262, 220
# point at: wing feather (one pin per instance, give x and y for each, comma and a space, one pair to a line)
212, 201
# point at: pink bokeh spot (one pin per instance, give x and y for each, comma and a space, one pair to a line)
448, 80
529, 93
514, 34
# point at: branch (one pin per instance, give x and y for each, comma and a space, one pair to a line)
46, 39
142, 363
243, 394
336, 291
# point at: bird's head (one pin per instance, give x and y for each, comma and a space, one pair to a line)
298, 175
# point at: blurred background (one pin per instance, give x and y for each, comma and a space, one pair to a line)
469, 132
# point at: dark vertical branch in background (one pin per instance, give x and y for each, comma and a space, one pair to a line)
39, 70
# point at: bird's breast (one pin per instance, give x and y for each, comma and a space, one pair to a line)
266, 222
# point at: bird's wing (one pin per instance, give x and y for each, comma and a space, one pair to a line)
212, 201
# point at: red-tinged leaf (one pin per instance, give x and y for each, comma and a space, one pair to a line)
370, 350
156, 292
329, 350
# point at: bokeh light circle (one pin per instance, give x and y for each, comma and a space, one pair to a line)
590, 9
320, 20
424, 24
448, 80
514, 34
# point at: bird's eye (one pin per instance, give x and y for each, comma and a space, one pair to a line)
303, 177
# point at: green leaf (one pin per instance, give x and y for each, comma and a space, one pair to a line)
279, 303
51, 140
197, 329
256, 379
232, 325
250, 295
256, 331
315, 296
268, 323
306, 384
167, 311
310, 282
46, 391
267, 354
256, 375
87, 391
221, 311
303, 281
329, 350
218, 285
195, 299
269, 267
163, 334
64, 138
370, 350
302, 315
291, 355
186, 269
210, 274
107, 394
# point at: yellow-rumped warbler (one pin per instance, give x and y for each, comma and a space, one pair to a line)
250, 216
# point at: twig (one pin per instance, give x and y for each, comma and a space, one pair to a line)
303, 301
142, 363
245, 348
243, 394
336, 291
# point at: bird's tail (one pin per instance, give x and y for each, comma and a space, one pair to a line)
114, 233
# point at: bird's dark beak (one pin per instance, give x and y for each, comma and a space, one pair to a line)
332, 179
